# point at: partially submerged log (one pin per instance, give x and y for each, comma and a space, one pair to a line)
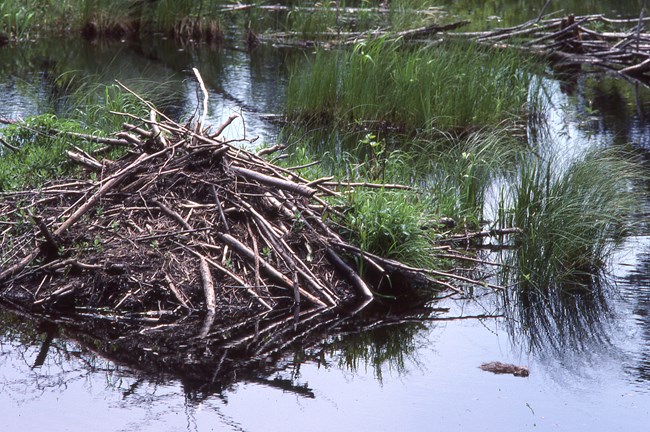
505, 368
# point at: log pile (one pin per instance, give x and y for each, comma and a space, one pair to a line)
191, 255
618, 45
186, 221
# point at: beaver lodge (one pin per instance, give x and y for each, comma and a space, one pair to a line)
186, 249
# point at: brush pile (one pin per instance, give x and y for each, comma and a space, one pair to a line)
184, 220
618, 45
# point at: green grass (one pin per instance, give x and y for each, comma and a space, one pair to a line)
41, 155
386, 83
451, 181
461, 169
572, 219
386, 222
119, 18
16, 19
390, 223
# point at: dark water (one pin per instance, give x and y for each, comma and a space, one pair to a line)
416, 375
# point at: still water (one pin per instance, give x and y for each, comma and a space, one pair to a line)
416, 372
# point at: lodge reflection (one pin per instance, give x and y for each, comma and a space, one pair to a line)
267, 349
636, 286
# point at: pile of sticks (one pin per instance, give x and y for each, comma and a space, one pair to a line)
618, 45
185, 221
184, 208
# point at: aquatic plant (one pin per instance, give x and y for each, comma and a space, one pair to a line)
461, 169
382, 82
391, 223
571, 218
39, 155
16, 19
114, 18
450, 175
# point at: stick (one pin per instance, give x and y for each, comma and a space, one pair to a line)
205, 98
273, 181
178, 218
157, 133
87, 161
225, 124
349, 273
208, 286
264, 265
9, 146
221, 213
231, 275
108, 184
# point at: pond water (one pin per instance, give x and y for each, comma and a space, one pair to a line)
419, 372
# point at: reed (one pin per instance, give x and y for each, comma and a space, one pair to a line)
463, 169
382, 82
16, 19
452, 181
385, 222
120, 18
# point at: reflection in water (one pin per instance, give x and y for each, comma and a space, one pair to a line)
636, 289
250, 84
206, 363
572, 318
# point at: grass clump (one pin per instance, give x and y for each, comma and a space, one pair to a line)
390, 223
40, 155
393, 223
114, 18
571, 220
461, 171
383, 82
16, 20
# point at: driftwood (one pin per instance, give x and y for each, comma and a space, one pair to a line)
618, 45
505, 368
334, 39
